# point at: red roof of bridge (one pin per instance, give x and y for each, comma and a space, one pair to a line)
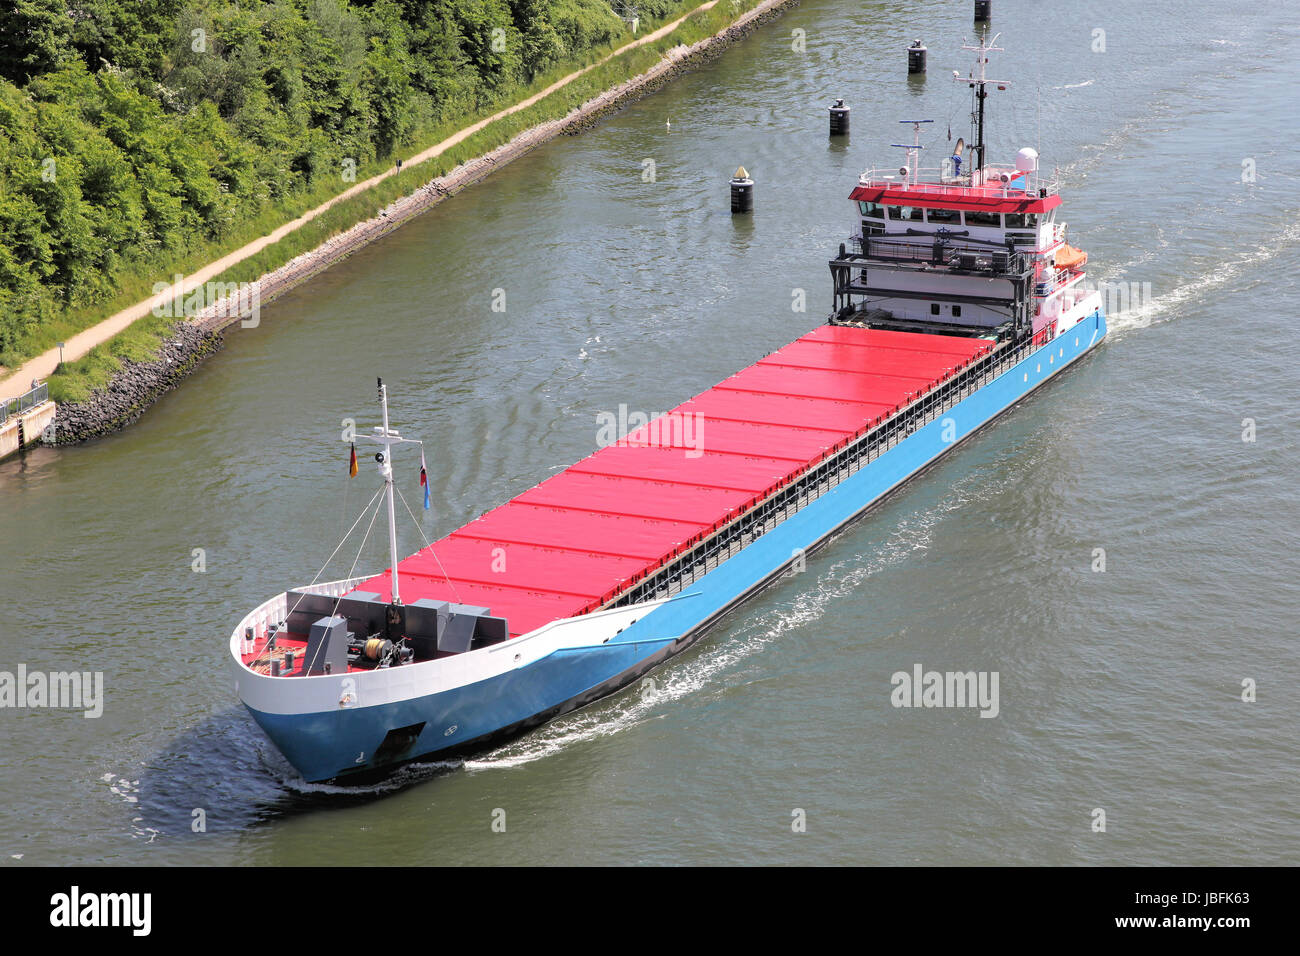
574, 541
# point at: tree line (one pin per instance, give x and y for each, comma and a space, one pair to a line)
132, 129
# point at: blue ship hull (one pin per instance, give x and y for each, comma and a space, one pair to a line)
339, 743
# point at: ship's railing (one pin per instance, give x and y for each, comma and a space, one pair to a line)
821, 478
335, 588
28, 399
1057, 279
275, 611
953, 253
939, 179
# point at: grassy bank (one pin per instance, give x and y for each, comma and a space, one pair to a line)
76, 381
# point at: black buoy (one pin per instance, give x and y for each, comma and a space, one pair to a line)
742, 191
983, 11
916, 57
839, 119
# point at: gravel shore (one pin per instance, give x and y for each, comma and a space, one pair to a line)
134, 388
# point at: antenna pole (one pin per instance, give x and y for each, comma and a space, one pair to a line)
913, 169
386, 470
916, 153
386, 438
979, 80
1038, 118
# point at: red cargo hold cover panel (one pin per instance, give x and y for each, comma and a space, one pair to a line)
582, 536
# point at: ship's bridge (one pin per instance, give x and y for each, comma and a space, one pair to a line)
1000, 204
971, 253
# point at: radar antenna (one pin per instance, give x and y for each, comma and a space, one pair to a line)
912, 171
978, 80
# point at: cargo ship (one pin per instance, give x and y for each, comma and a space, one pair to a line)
955, 297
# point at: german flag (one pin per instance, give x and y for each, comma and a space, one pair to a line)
424, 480
352, 465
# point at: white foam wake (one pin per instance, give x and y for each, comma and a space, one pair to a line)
644, 701
1166, 307
129, 792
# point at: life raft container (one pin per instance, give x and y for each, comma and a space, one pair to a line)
1069, 257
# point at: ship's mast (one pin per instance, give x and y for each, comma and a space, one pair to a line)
978, 80
386, 469
387, 437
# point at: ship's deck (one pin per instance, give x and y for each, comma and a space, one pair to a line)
573, 542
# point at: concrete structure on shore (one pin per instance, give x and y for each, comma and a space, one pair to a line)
23, 427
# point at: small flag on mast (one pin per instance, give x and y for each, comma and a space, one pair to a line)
424, 480
352, 465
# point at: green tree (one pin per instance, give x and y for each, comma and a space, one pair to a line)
35, 38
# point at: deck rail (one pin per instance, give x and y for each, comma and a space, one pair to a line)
942, 181
28, 399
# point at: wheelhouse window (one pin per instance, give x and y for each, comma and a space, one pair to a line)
905, 213
975, 217
1022, 220
873, 218
949, 217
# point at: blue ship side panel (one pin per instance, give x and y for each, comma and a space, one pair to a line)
326, 744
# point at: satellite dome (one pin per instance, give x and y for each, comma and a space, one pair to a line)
1027, 160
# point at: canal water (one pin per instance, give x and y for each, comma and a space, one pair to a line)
1120, 690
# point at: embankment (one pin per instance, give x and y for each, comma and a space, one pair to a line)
135, 387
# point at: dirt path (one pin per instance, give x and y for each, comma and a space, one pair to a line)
16, 382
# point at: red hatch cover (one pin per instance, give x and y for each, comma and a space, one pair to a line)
573, 542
